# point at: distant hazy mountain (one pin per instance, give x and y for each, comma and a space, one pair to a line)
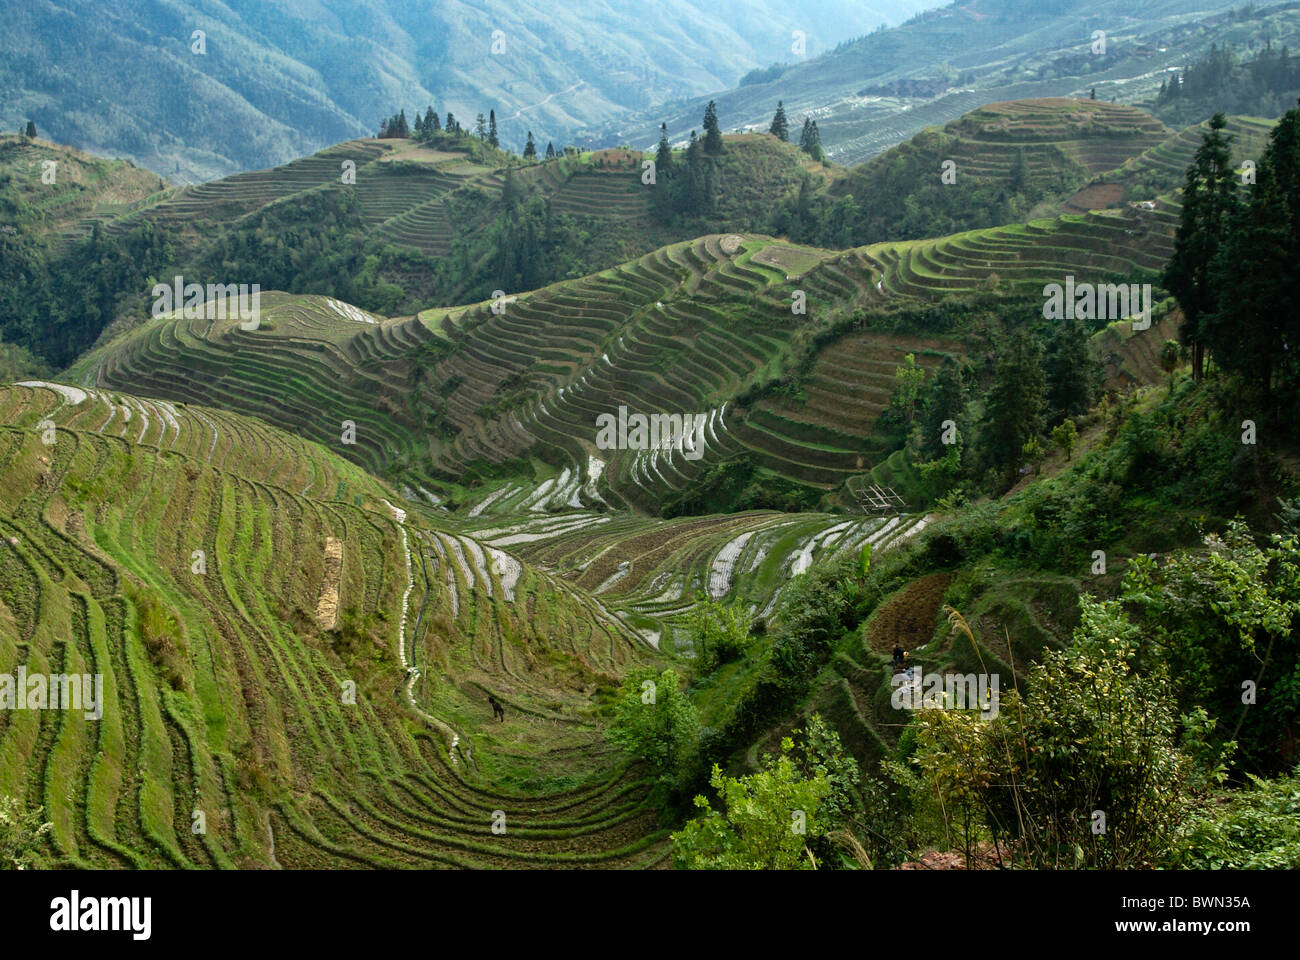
280, 79
880, 89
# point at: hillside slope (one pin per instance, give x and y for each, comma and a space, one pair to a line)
390, 225
452, 221
67, 189
444, 397
496, 397
1000, 164
313, 681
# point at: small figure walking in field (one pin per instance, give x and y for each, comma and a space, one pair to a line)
498, 711
900, 656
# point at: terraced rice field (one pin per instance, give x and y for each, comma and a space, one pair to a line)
369, 745
404, 192
1163, 167
615, 194
495, 405
231, 198
649, 573
683, 330
1134, 357
1054, 136
309, 367
319, 690
85, 190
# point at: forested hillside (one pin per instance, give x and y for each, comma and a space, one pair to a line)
1225, 81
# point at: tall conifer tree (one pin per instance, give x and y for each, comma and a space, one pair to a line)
712, 134
1209, 199
780, 128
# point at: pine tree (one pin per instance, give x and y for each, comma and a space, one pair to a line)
1254, 330
480, 127
804, 135
803, 203
664, 155
1209, 199
1069, 373
419, 125
779, 125
530, 148
492, 129
431, 125
688, 186
712, 135
451, 126
1019, 172
402, 129
1092, 94
550, 150
814, 146
1013, 411
30, 132
947, 401
509, 192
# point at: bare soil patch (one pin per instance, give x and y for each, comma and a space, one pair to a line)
327, 606
908, 618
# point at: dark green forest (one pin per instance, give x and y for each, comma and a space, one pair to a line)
1225, 82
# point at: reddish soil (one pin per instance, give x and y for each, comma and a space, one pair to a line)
984, 857
908, 618
1101, 196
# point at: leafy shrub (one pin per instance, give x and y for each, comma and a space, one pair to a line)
1254, 829
1092, 738
766, 821
720, 632
814, 615
655, 722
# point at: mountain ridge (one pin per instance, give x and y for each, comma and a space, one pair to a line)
286, 79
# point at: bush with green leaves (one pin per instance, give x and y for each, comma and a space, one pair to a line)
655, 722
817, 609
771, 819
1288, 516
1065, 435
940, 477
1223, 618
1253, 829
1092, 767
842, 811
909, 380
720, 632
